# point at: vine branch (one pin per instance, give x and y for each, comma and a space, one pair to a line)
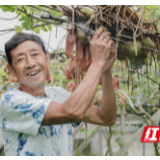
5, 30
13, 17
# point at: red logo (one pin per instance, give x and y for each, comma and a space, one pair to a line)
151, 134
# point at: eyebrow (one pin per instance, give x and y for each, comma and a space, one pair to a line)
31, 50
19, 54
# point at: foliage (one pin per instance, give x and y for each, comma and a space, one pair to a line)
89, 132
151, 12
27, 22
142, 87
3, 76
2, 154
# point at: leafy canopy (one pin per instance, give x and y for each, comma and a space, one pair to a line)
151, 12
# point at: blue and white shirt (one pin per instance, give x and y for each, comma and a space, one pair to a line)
21, 115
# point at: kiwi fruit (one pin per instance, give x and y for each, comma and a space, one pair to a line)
104, 28
158, 56
86, 11
131, 50
147, 42
82, 37
141, 57
125, 49
121, 52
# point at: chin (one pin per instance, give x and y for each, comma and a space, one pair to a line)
34, 84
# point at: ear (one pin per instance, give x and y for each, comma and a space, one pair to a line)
48, 77
11, 74
48, 57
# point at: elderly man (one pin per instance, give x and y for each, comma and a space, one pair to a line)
36, 119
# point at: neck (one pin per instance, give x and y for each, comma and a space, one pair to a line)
34, 91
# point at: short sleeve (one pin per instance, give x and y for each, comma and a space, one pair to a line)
22, 112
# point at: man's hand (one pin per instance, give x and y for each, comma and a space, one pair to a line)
111, 60
100, 47
76, 107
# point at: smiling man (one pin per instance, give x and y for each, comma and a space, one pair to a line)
36, 119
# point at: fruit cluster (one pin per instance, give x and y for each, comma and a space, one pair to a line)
127, 50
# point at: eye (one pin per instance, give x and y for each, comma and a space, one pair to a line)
20, 59
35, 54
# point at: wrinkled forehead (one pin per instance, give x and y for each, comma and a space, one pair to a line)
25, 48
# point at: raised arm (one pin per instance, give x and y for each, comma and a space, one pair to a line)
80, 100
106, 113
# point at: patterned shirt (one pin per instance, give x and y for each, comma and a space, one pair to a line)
21, 115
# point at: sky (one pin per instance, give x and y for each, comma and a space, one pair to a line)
8, 24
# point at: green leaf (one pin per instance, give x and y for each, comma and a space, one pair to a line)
22, 18
2, 73
118, 139
43, 28
115, 126
6, 8
36, 30
125, 154
78, 154
91, 132
157, 13
83, 130
115, 132
122, 133
18, 29
55, 13
27, 23
49, 27
2, 154
152, 16
86, 11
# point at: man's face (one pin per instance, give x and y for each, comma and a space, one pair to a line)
30, 64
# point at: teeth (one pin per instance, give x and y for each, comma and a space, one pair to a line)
33, 73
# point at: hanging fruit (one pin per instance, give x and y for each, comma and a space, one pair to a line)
147, 42
82, 37
131, 50
104, 28
121, 52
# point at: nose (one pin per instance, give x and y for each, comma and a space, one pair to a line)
30, 63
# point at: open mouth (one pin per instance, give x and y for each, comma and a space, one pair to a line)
33, 73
